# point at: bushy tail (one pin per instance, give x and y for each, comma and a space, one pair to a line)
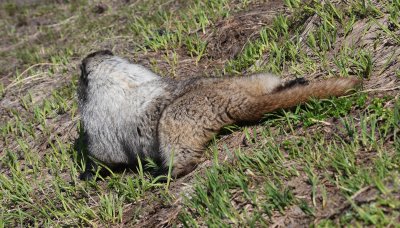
293, 95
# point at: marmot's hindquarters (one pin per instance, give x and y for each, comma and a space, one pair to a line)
190, 122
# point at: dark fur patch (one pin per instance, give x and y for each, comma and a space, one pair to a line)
101, 52
91, 55
291, 84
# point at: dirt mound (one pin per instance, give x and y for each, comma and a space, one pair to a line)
227, 38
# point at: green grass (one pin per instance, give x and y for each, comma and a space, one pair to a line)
332, 162
326, 160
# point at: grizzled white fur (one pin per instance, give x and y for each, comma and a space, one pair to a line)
114, 132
